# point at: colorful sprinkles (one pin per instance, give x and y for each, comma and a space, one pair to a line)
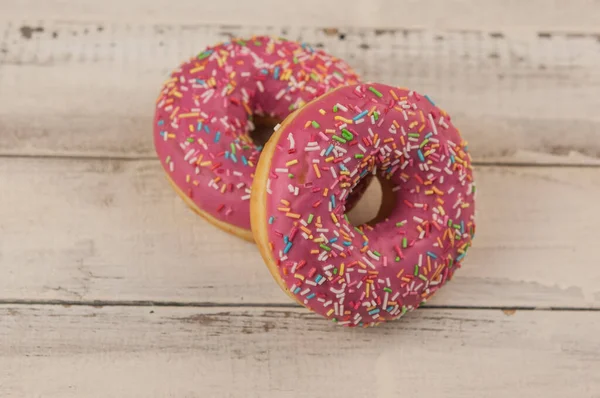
364, 275
208, 106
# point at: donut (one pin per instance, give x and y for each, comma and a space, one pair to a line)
210, 104
367, 274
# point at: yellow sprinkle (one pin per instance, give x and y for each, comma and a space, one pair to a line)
317, 171
322, 111
441, 209
329, 159
223, 188
299, 276
286, 209
330, 312
342, 269
205, 163
307, 124
187, 178
292, 215
189, 114
325, 191
395, 123
343, 119
334, 218
291, 162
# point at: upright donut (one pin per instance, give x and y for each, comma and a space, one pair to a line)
207, 108
371, 273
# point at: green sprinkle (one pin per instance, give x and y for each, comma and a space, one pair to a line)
387, 289
347, 134
414, 135
315, 124
425, 141
335, 108
190, 139
422, 277
168, 159
335, 271
397, 258
404, 243
376, 253
374, 91
257, 43
290, 175
314, 76
346, 217
232, 148
400, 224
358, 156
376, 115
204, 54
295, 59
416, 270
310, 218
339, 139
325, 247
358, 230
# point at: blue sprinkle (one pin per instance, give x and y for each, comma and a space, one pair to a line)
271, 220
421, 157
200, 81
462, 226
461, 256
217, 136
206, 129
310, 296
360, 115
163, 133
226, 154
328, 151
234, 158
428, 135
161, 122
287, 247
199, 126
296, 290
429, 99
342, 167
259, 148
333, 239
365, 243
332, 200
390, 308
432, 255
318, 278
375, 311
244, 160
276, 73
364, 173
346, 243
264, 71
286, 239
452, 158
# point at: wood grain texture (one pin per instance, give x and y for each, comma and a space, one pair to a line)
518, 96
84, 229
575, 15
52, 351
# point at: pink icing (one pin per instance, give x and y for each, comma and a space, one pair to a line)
365, 275
204, 113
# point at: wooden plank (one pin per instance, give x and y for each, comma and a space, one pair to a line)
524, 97
235, 352
576, 15
82, 229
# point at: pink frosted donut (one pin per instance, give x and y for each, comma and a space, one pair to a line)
206, 110
367, 274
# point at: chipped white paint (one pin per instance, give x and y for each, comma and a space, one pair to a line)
197, 352
115, 230
517, 97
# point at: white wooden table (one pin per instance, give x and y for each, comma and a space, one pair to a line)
111, 287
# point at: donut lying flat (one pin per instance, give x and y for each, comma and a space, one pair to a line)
206, 110
367, 274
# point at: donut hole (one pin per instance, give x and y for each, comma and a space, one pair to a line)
263, 129
375, 205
